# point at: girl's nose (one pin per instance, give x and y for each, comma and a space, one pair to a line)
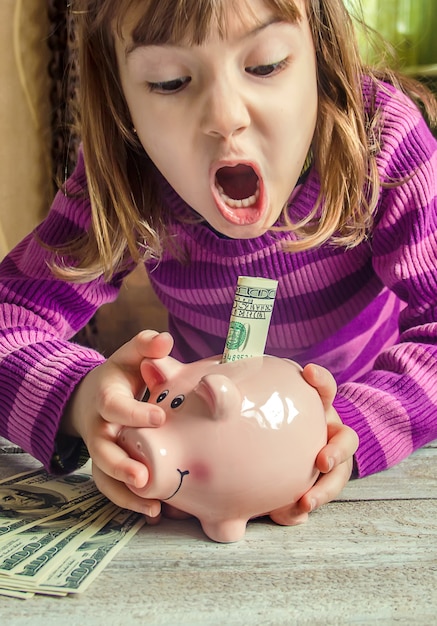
225, 112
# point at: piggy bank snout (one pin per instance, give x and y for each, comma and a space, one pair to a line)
157, 451
135, 442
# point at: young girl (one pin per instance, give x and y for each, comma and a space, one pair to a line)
219, 139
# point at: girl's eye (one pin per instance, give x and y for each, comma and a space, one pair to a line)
267, 70
170, 86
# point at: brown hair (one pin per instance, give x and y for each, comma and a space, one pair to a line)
128, 218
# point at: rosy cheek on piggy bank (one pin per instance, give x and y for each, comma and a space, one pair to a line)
200, 472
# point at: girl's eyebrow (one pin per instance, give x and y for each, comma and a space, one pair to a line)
134, 45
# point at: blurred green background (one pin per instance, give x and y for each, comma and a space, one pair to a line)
409, 26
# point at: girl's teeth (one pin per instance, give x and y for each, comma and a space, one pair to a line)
239, 204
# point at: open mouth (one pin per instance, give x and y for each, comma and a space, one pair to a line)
237, 190
238, 186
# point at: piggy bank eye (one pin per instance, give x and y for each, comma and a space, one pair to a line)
177, 401
162, 396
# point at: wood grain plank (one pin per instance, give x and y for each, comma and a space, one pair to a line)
369, 557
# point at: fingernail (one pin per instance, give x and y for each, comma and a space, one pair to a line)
152, 511
156, 418
313, 504
330, 464
130, 481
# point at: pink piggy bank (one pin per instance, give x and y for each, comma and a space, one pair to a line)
240, 439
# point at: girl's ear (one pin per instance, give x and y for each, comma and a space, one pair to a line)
157, 371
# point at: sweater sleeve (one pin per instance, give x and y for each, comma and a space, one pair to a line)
393, 408
39, 314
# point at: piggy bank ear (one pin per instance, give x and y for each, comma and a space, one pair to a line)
220, 394
158, 371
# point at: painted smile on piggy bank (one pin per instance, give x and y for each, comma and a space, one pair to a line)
182, 475
246, 434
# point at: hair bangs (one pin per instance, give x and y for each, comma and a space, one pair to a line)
189, 22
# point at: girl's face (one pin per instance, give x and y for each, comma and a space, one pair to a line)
228, 122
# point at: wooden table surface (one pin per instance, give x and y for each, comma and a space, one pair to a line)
368, 558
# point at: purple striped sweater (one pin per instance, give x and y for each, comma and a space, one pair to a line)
368, 314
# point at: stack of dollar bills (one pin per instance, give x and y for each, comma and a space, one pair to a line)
57, 533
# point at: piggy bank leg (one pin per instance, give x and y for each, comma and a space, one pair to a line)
225, 531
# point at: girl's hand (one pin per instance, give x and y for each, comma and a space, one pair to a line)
107, 399
334, 461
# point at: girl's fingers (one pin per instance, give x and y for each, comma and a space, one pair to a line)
292, 515
342, 445
322, 380
114, 399
115, 463
117, 406
327, 487
335, 474
156, 347
146, 344
118, 493
335, 459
